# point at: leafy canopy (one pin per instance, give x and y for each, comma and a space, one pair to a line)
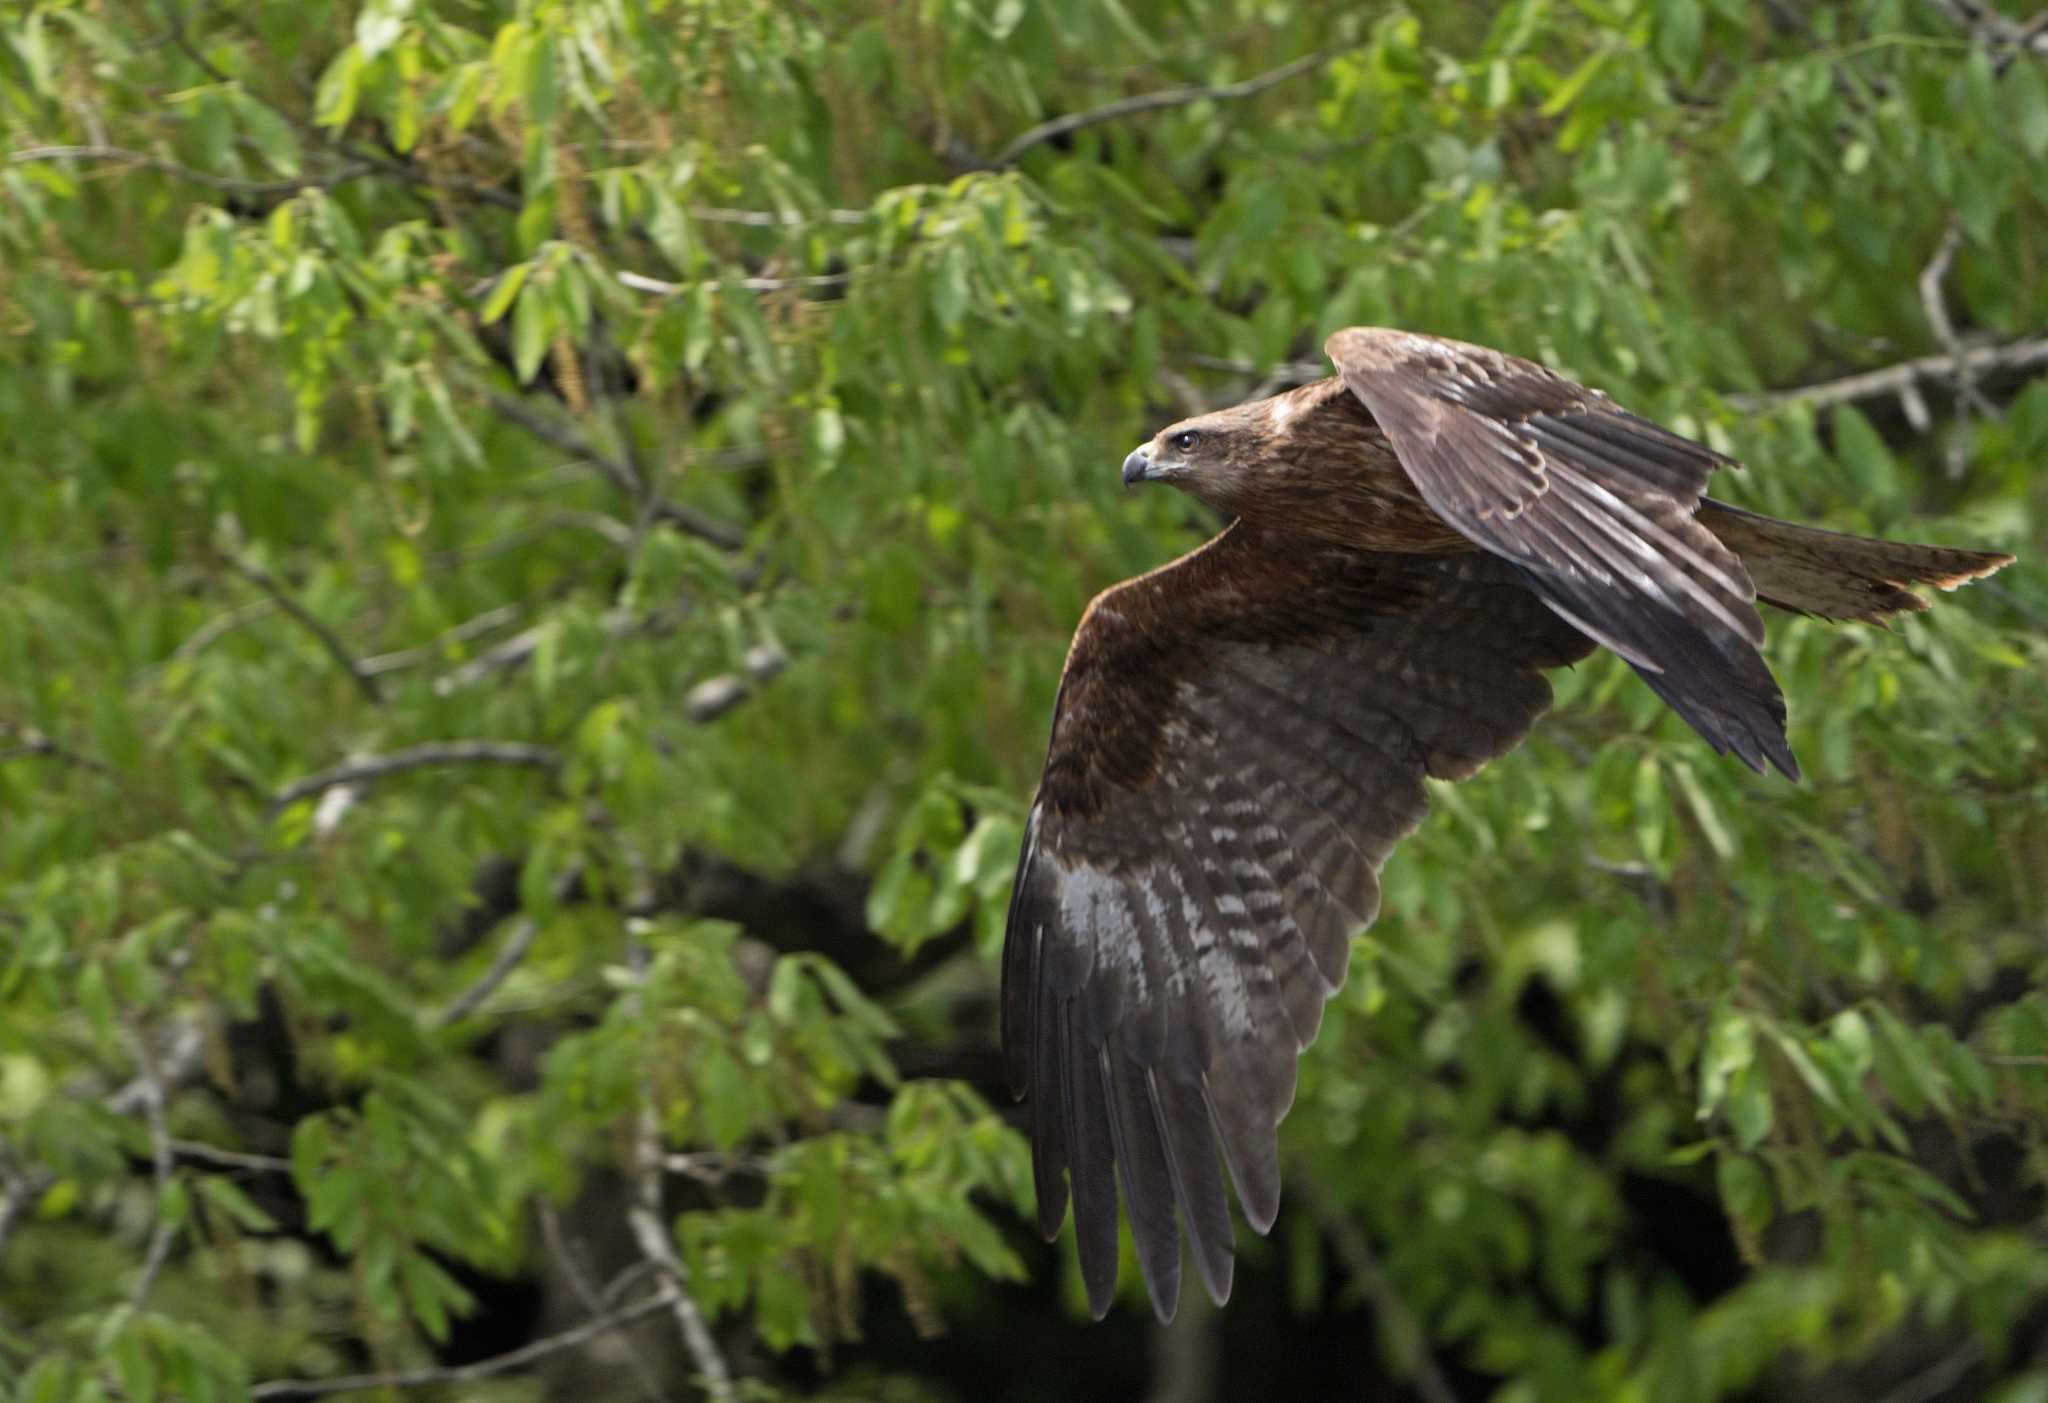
540, 538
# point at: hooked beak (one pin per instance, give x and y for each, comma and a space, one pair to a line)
1138, 465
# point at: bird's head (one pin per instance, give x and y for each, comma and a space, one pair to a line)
1213, 457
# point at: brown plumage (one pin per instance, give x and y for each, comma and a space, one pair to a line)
1241, 736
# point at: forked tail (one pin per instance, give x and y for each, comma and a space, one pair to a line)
1834, 576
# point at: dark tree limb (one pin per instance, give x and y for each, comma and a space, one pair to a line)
481, 1369
366, 768
1152, 102
618, 471
233, 185
329, 641
1411, 1344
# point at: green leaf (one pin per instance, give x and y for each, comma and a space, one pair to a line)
334, 100
533, 330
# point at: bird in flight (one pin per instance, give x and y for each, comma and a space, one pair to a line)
1241, 736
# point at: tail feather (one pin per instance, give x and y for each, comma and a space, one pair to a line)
1835, 576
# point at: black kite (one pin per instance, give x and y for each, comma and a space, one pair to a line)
1241, 736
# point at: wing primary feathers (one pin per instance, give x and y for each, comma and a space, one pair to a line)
1251, 1148
1184, 1129
1147, 1177
1051, 1114
1605, 533
1241, 739
1090, 1165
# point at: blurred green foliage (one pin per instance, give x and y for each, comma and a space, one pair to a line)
482, 479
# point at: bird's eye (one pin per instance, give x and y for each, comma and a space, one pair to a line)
1185, 441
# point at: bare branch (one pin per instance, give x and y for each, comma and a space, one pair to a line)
2006, 38
483, 623
328, 639
1893, 379
517, 943
178, 1058
1411, 1345
1939, 1377
230, 1159
514, 651
618, 471
712, 698
210, 632
562, 436
776, 219
644, 1217
1935, 306
640, 282
164, 1230
1152, 102
365, 768
483, 1368
586, 1292
232, 184
34, 742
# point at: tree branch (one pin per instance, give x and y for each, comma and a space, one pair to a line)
775, 219
1152, 102
587, 1293
618, 471
713, 697
1896, 379
644, 1217
1411, 1344
640, 282
231, 184
483, 1368
381, 663
2007, 38
163, 1231
365, 768
230, 1159
328, 639
517, 943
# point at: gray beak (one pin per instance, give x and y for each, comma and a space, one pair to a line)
1138, 465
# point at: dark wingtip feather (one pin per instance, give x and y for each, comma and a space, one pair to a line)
1091, 1163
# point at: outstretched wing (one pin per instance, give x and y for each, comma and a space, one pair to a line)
1596, 507
1241, 737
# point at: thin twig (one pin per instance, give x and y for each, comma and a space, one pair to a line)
231, 1159
713, 697
2006, 38
34, 742
365, 768
163, 1164
774, 219
381, 663
1934, 304
644, 1217
514, 651
232, 184
1152, 102
482, 1368
330, 641
210, 632
20, 1190
517, 943
640, 282
619, 471
1939, 1377
1364, 1265
586, 1292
